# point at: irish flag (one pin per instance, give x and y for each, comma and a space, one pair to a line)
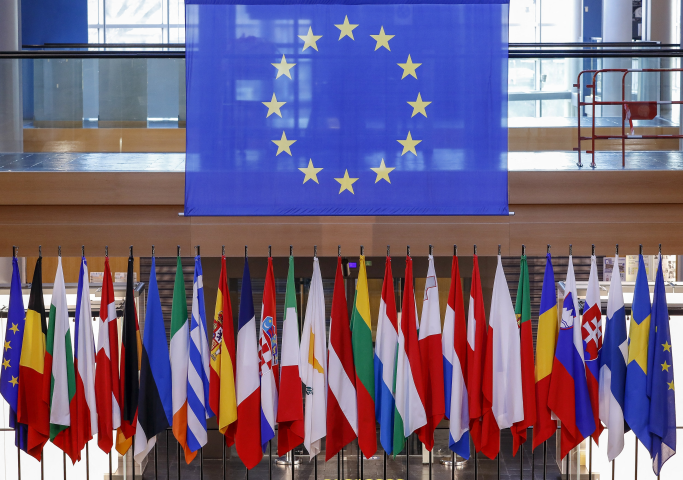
361, 336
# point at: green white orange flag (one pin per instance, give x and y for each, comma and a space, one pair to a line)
363, 359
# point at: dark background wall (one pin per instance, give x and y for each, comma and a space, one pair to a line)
54, 21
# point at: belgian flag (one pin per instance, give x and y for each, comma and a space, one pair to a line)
33, 410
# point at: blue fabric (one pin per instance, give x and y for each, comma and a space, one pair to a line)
385, 404
462, 446
344, 2
346, 108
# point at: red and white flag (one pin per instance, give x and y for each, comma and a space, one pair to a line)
476, 347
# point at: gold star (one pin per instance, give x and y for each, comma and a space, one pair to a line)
665, 366
346, 182
419, 106
346, 29
283, 144
382, 172
667, 347
382, 39
7, 347
14, 328
5, 363
409, 145
283, 68
14, 381
671, 385
311, 172
273, 107
409, 68
310, 39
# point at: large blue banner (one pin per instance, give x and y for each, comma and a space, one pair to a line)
346, 107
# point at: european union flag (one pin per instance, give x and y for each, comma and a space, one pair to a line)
660, 380
11, 354
344, 107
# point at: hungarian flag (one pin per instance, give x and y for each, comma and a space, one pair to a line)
222, 400
361, 336
455, 366
268, 359
131, 351
107, 396
591, 329
385, 361
155, 407
546, 338
523, 314
290, 411
431, 358
342, 410
180, 354
502, 384
476, 346
34, 411
248, 435
313, 364
84, 364
59, 381
410, 413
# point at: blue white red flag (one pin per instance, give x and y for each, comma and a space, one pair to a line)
591, 329
268, 359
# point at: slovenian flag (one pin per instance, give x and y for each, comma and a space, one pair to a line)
568, 398
268, 359
386, 342
476, 346
591, 329
455, 366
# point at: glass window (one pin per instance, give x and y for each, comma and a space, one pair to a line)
136, 21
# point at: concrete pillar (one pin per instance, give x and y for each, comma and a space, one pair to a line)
616, 27
660, 27
11, 121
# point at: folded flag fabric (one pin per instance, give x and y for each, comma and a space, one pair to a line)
613, 368
386, 341
660, 379
591, 329
313, 365
476, 349
454, 346
290, 411
268, 359
155, 404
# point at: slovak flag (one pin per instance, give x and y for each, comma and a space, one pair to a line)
568, 398
591, 329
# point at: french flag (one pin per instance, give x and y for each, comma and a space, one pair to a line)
569, 399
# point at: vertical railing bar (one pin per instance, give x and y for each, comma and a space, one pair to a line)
521, 461
42, 468
360, 463
430, 464
87, 463
545, 459
407, 458
19, 462
453, 459
293, 462
613, 469
201, 463
533, 460
384, 475
178, 460
247, 475
567, 472
339, 475
110, 460
64, 462
498, 457
476, 465
270, 459
590, 459
132, 457
636, 476
156, 461
223, 458
168, 464
315, 467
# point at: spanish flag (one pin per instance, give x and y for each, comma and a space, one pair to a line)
34, 411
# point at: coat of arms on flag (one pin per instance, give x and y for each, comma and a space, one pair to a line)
312, 107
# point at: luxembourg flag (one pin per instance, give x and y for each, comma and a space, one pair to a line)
591, 329
268, 360
385, 361
454, 343
568, 398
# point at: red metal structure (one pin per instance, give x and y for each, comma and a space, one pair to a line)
630, 110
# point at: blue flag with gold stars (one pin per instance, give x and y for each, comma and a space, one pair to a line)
11, 354
660, 379
346, 107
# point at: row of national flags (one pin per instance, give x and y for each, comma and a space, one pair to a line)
585, 375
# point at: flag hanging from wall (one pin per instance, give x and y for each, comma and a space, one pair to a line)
311, 107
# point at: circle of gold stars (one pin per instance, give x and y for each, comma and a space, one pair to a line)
409, 68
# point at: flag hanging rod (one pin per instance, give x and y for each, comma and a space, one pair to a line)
475, 248
40, 250
641, 248
388, 250
660, 249
131, 251
408, 250
59, 250
14, 251
82, 250
616, 250
455, 250
431, 250
106, 250
547, 250
196, 250
223, 251
523, 249
246, 252
570, 249
152, 251
499, 249
178, 251
315, 251
362, 251
269, 252
339, 250
291, 250
593, 250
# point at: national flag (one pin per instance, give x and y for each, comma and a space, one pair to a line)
361, 336
248, 435
546, 339
342, 407
155, 404
180, 357
290, 411
455, 366
502, 384
660, 379
313, 364
613, 369
11, 357
222, 398
268, 359
34, 410
59, 383
636, 400
198, 410
568, 396
476, 349
131, 350
431, 358
84, 364
107, 395
591, 330
386, 341
410, 413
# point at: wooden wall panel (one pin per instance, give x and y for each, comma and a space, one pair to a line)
71, 266
113, 140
